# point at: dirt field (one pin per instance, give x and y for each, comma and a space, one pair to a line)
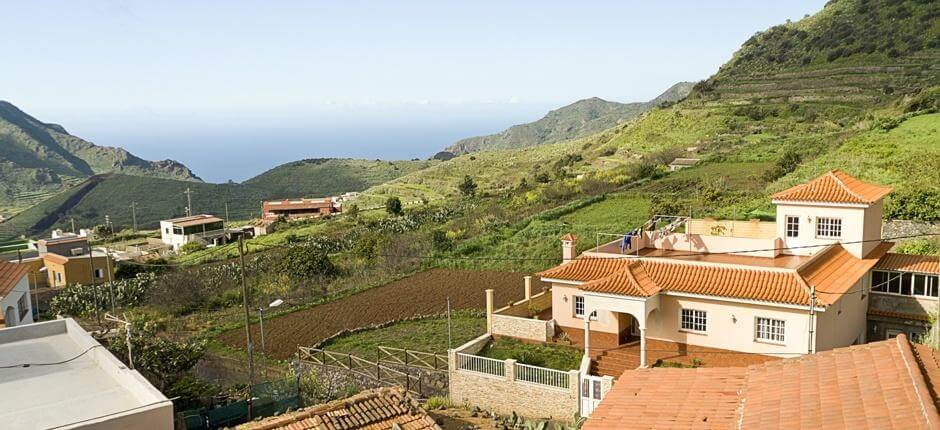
421, 294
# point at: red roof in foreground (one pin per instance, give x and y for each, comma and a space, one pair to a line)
378, 409
910, 263
10, 275
882, 385
835, 186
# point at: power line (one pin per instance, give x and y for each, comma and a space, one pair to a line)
55, 363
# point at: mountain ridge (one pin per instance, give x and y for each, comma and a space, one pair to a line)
578, 119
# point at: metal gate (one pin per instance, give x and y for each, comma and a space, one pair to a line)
591, 394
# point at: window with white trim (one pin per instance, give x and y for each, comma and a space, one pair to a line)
770, 330
905, 283
23, 305
828, 228
579, 308
793, 226
694, 320
99, 273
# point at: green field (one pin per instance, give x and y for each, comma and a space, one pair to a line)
426, 335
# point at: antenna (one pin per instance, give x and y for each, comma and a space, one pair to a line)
189, 201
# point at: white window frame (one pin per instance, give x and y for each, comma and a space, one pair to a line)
769, 334
574, 301
99, 273
696, 317
931, 284
794, 222
832, 225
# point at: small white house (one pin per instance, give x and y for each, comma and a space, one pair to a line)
15, 303
207, 229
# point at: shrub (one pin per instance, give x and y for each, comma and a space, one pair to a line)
301, 262
190, 247
393, 206
919, 205
468, 188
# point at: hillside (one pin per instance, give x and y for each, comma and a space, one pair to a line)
329, 176
159, 198
579, 119
745, 123
38, 159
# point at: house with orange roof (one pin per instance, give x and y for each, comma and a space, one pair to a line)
299, 208
819, 278
889, 384
16, 307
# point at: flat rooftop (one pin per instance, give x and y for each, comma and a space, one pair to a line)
779, 262
85, 384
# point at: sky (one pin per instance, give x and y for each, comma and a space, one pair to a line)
232, 88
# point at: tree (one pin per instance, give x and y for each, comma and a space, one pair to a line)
393, 206
303, 261
164, 361
468, 188
352, 211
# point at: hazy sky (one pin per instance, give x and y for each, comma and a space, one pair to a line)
109, 69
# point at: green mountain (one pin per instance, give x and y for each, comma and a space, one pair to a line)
38, 159
578, 119
159, 198
784, 95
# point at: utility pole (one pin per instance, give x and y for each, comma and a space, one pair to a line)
73, 224
134, 215
449, 337
812, 319
107, 224
226, 212
189, 201
251, 361
107, 259
94, 288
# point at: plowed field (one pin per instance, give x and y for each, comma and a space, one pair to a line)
421, 294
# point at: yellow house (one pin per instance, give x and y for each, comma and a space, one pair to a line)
62, 271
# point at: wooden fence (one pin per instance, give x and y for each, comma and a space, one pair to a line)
407, 357
374, 370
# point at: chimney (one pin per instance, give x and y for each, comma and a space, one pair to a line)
568, 243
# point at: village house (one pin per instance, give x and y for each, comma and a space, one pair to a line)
88, 269
16, 307
87, 387
716, 294
299, 208
206, 229
682, 163
890, 384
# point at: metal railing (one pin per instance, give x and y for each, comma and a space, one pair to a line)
475, 363
541, 375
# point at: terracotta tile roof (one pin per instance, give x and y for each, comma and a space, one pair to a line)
569, 237
910, 263
928, 359
898, 315
632, 280
835, 271
10, 275
283, 205
378, 409
879, 385
585, 269
56, 258
835, 186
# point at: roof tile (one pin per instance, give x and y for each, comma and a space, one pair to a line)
834, 186
910, 263
10, 275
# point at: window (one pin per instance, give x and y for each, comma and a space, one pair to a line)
167, 230
76, 251
579, 306
694, 320
23, 304
177, 230
58, 278
770, 330
905, 284
793, 226
99, 273
829, 228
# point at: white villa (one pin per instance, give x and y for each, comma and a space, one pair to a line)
744, 293
207, 229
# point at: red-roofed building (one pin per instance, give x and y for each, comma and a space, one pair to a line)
821, 278
16, 308
299, 208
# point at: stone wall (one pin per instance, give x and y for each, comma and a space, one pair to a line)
523, 328
505, 395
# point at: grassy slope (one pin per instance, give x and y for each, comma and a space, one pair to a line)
426, 335
323, 177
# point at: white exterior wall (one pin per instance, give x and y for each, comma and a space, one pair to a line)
730, 325
11, 301
859, 223
844, 322
563, 311
175, 241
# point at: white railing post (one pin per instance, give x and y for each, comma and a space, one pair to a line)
510, 369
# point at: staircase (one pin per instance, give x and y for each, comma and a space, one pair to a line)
613, 362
